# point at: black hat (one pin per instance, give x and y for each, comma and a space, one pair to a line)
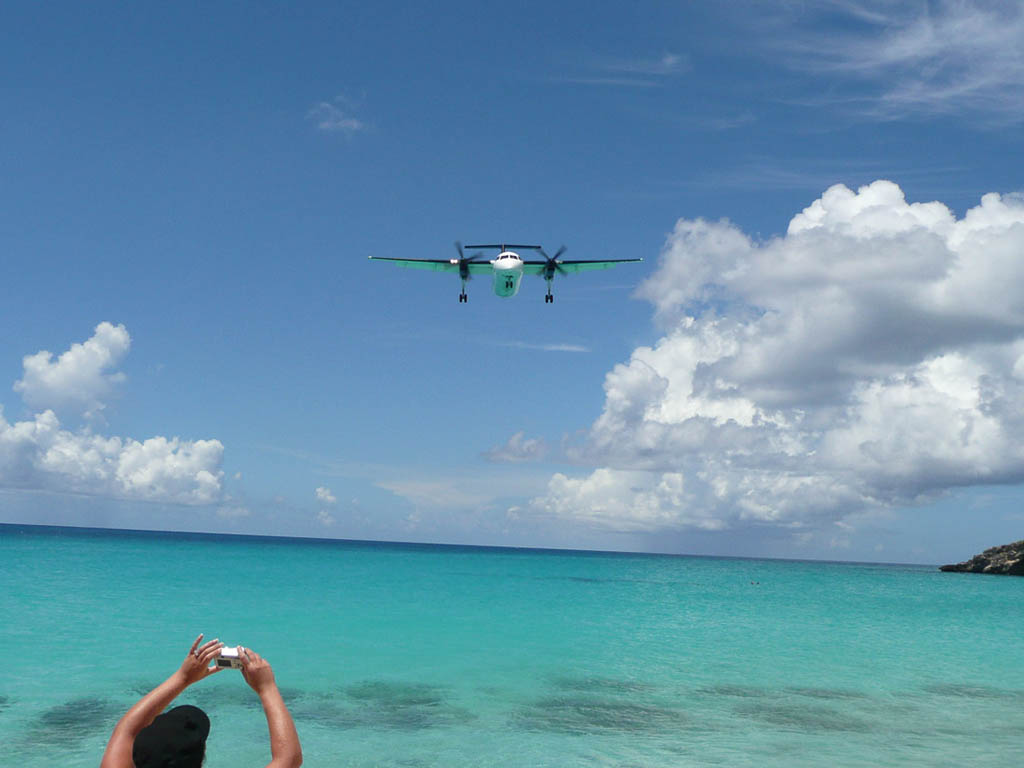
175, 739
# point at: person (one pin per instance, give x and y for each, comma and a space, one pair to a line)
145, 738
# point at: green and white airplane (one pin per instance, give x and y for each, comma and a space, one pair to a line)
508, 268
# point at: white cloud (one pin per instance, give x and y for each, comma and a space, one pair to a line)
445, 493
623, 500
325, 518
334, 118
79, 378
555, 347
946, 57
655, 66
873, 356
642, 72
518, 448
38, 453
324, 494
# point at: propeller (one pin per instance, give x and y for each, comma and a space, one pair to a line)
552, 266
464, 262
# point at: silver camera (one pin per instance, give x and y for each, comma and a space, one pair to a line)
230, 657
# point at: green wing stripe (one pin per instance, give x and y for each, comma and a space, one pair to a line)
437, 265
537, 267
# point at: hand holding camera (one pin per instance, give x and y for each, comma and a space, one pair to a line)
255, 669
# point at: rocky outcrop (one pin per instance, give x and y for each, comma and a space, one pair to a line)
1007, 559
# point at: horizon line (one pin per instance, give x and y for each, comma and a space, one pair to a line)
447, 545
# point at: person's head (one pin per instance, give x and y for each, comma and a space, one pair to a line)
175, 739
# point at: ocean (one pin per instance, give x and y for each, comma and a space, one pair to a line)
423, 655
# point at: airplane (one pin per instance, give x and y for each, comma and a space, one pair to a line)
508, 268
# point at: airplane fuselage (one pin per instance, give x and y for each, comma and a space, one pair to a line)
508, 273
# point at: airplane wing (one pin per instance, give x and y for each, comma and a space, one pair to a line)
438, 265
574, 265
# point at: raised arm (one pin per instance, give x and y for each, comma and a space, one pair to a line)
285, 750
195, 667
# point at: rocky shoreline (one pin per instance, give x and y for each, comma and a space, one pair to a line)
1007, 560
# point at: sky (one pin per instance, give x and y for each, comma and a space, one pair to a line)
821, 355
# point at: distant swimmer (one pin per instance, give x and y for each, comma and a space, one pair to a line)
145, 738
507, 268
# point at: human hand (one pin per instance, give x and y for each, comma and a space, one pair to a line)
256, 671
196, 665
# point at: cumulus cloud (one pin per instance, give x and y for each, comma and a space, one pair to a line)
925, 58
873, 356
325, 518
518, 448
38, 453
324, 494
80, 378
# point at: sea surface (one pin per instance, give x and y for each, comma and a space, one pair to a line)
421, 655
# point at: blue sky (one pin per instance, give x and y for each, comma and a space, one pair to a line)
189, 194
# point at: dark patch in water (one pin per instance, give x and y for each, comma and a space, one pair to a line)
600, 685
966, 691
802, 718
68, 723
388, 694
827, 693
4, 702
586, 715
211, 697
738, 691
384, 705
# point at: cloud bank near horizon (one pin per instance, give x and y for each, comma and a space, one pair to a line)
872, 357
39, 454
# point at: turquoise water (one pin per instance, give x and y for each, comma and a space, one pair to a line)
399, 655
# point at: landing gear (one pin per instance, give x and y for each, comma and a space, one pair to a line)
463, 298
549, 299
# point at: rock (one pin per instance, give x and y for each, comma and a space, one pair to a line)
1007, 559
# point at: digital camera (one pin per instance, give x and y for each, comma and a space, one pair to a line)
230, 657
